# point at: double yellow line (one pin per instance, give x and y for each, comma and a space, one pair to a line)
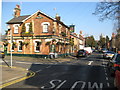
18, 80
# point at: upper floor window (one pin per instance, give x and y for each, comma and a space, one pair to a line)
45, 26
16, 27
27, 25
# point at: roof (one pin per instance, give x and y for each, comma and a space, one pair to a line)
21, 19
17, 19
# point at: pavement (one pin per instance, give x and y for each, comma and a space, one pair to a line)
11, 75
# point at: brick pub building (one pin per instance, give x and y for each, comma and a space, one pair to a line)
38, 35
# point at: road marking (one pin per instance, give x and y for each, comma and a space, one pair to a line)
60, 84
108, 84
24, 62
95, 85
18, 80
106, 74
52, 84
106, 78
90, 62
74, 85
48, 67
38, 71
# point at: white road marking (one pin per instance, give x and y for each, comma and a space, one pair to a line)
106, 78
48, 67
60, 84
24, 62
38, 71
95, 85
78, 82
90, 62
108, 84
106, 74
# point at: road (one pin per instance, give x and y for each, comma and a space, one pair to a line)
86, 73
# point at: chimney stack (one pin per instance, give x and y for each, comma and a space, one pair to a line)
57, 17
17, 11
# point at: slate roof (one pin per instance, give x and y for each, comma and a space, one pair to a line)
17, 19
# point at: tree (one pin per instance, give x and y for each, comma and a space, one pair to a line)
107, 10
90, 41
101, 42
110, 10
107, 42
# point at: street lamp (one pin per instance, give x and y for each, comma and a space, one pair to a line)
10, 43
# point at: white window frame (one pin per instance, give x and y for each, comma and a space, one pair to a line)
19, 45
27, 25
45, 29
35, 44
16, 28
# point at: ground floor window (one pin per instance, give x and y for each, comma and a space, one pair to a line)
37, 46
20, 46
52, 48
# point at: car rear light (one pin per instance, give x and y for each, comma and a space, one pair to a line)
116, 65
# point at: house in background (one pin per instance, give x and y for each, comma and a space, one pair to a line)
38, 35
78, 44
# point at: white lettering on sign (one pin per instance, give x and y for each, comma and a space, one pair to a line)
78, 82
82, 85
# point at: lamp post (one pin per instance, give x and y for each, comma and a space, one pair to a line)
10, 44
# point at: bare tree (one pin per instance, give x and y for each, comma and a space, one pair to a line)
107, 10
110, 10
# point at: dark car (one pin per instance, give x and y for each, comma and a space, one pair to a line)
109, 55
2, 55
114, 64
82, 53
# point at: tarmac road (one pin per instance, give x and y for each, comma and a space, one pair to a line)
86, 73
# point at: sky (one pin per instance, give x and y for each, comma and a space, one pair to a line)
77, 13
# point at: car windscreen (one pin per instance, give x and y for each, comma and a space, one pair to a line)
110, 52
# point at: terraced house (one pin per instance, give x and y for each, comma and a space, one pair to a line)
38, 34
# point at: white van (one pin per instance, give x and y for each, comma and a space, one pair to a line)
88, 49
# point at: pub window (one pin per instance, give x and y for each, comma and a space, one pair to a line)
20, 46
16, 26
27, 27
45, 26
37, 46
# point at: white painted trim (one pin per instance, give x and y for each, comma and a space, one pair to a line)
45, 23
16, 24
48, 40
35, 13
14, 28
27, 27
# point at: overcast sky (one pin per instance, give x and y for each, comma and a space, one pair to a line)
77, 13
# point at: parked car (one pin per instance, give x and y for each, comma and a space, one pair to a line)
117, 79
114, 64
109, 54
2, 55
81, 53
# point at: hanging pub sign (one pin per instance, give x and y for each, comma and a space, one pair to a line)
72, 28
